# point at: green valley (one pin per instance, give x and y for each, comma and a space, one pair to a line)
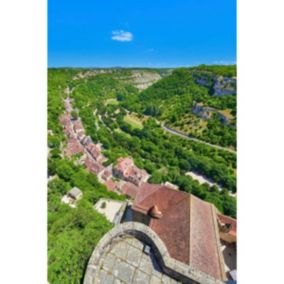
123, 112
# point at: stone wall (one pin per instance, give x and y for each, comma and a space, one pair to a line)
170, 266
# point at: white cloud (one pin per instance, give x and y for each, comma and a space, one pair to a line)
122, 35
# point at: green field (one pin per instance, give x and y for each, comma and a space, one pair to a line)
111, 102
118, 130
133, 120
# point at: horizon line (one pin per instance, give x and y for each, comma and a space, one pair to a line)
138, 67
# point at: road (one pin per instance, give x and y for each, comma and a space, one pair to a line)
175, 132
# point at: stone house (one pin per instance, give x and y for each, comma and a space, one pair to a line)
72, 197
95, 152
126, 170
78, 126
129, 189
106, 175
75, 193
86, 140
111, 185
74, 147
93, 166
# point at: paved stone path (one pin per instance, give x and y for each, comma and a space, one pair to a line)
125, 262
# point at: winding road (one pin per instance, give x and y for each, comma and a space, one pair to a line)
68, 91
178, 133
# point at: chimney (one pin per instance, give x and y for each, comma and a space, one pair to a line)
155, 212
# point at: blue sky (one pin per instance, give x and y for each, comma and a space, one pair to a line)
148, 33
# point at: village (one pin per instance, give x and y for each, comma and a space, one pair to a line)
193, 231
123, 178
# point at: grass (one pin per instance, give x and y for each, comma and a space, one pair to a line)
227, 113
133, 120
111, 102
118, 130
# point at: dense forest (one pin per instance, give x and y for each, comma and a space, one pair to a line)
126, 122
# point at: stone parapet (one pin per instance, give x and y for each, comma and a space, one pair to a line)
170, 266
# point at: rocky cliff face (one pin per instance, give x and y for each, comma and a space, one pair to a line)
206, 113
89, 73
202, 111
141, 79
218, 85
224, 86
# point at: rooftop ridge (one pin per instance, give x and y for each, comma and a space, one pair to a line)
151, 191
204, 232
217, 239
190, 231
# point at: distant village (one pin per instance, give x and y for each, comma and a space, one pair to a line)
197, 237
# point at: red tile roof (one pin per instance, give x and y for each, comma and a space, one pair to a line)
65, 118
128, 171
188, 226
204, 235
73, 147
123, 164
94, 150
106, 174
78, 126
93, 166
111, 185
129, 189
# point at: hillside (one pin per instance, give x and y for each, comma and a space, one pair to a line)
123, 121
141, 78
200, 102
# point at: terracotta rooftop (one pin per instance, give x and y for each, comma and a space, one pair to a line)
111, 185
78, 125
106, 174
81, 135
73, 147
124, 163
129, 189
188, 226
65, 118
93, 166
126, 168
94, 150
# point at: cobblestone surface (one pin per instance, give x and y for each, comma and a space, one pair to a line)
125, 262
